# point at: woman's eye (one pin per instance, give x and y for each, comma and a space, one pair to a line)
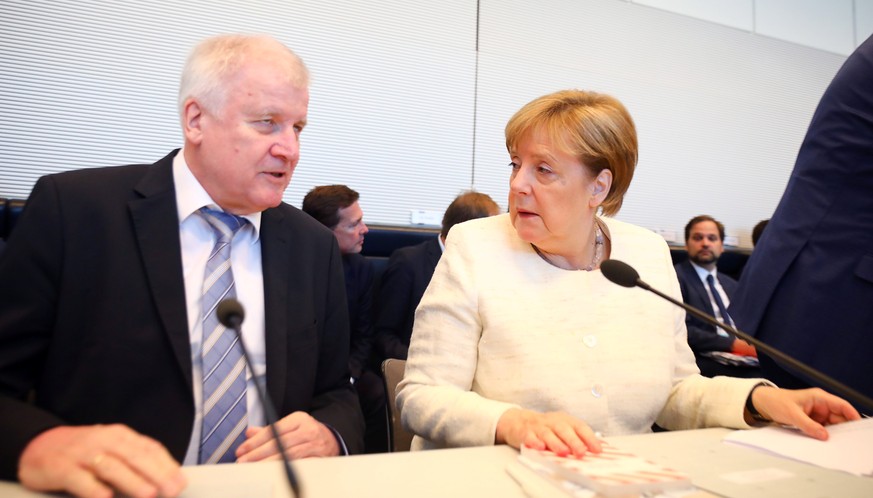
543, 169
513, 165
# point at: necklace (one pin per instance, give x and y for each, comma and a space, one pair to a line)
598, 250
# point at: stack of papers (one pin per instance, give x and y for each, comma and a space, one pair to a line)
610, 473
849, 447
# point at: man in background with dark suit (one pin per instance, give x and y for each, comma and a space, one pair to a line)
808, 287
106, 309
337, 208
408, 273
703, 287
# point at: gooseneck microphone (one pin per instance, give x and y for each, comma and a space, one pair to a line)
231, 314
623, 274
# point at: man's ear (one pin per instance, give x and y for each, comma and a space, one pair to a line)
600, 188
192, 117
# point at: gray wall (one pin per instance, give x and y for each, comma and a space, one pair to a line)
409, 97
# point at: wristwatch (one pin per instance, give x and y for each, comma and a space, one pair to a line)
750, 407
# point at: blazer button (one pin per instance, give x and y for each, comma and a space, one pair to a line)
590, 340
597, 390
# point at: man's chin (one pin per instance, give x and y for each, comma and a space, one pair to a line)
704, 261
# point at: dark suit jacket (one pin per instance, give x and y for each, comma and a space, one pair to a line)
702, 337
93, 317
807, 289
401, 287
358, 273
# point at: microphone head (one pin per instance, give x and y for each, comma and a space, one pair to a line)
230, 313
619, 272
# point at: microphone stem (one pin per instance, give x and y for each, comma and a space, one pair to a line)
830, 383
270, 415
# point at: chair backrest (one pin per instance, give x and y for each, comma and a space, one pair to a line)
392, 372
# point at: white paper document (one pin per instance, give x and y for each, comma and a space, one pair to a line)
849, 447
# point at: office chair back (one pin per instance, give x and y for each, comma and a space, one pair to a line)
392, 373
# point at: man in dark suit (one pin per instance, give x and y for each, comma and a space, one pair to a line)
807, 288
408, 273
703, 287
104, 278
337, 208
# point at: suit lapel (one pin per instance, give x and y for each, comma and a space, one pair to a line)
156, 223
434, 253
276, 256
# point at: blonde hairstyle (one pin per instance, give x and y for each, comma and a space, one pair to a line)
214, 61
594, 128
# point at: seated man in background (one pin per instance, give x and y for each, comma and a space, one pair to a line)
112, 277
408, 273
337, 208
716, 351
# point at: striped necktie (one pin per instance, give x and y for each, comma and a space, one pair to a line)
224, 368
722, 309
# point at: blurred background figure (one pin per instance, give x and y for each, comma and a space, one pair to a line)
703, 287
758, 231
337, 208
408, 273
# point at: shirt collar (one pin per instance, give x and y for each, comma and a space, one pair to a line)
703, 272
191, 196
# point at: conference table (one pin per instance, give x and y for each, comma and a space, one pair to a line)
716, 469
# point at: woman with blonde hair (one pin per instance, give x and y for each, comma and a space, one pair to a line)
519, 338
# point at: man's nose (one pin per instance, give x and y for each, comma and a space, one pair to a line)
287, 147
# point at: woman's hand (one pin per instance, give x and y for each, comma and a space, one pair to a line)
807, 409
558, 432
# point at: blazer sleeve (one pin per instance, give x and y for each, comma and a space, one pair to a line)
334, 402
435, 397
30, 270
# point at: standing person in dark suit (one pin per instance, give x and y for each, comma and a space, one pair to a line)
408, 273
808, 285
107, 276
337, 208
704, 288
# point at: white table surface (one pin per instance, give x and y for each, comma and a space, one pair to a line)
722, 469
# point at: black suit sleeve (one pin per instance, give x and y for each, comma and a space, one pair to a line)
30, 269
335, 402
